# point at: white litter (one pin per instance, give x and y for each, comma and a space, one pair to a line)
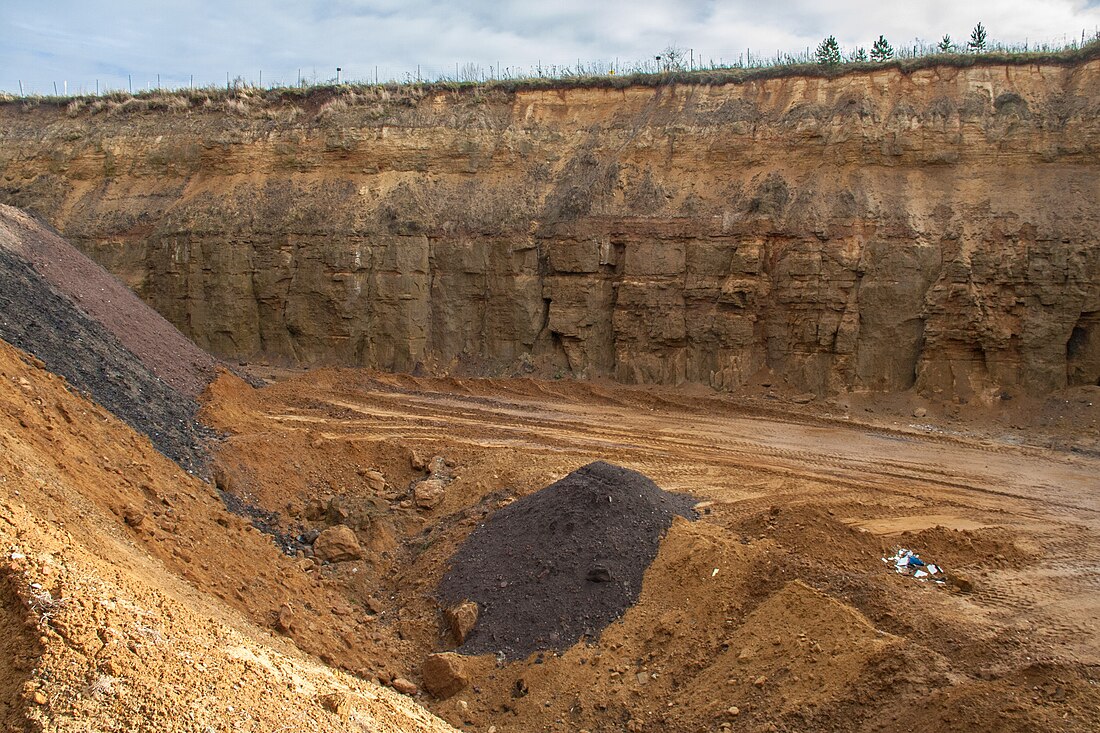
906, 562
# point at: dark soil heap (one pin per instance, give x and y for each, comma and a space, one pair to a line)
563, 562
105, 299
37, 318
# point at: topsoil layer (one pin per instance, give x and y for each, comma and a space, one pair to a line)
144, 332
562, 563
39, 320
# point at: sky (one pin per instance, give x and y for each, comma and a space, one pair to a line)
77, 44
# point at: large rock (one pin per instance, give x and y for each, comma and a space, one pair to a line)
429, 493
374, 480
337, 544
461, 619
444, 674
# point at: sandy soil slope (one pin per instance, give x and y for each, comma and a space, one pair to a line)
112, 563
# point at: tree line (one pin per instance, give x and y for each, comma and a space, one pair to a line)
828, 52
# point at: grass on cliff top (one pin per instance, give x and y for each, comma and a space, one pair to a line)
247, 99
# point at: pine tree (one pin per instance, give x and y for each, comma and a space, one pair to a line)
828, 53
882, 50
977, 39
946, 44
860, 54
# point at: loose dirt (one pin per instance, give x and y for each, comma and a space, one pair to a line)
19, 650
562, 563
775, 603
150, 607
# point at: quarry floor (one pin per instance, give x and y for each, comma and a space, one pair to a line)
773, 611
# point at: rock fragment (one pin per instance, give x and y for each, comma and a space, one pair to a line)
337, 544
405, 687
375, 480
444, 674
429, 493
461, 619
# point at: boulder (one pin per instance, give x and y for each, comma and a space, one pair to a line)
444, 674
337, 544
438, 468
461, 620
375, 480
429, 493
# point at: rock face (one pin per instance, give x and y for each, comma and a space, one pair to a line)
879, 231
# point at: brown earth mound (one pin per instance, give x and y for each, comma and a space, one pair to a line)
772, 611
141, 330
562, 563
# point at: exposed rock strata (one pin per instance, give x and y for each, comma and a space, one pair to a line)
876, 231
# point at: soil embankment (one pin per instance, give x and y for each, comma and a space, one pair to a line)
45, 321
132, 600
883, 230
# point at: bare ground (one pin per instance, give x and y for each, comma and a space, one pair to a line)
776, 602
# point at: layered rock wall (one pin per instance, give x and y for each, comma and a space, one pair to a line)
880, 231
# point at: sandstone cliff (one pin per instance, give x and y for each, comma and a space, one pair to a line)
934, 228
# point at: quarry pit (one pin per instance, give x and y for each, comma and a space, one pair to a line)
790, 326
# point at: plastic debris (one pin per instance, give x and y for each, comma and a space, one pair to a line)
906, 562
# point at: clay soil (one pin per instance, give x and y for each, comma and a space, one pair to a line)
772, 611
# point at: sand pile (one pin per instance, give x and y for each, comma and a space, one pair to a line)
107, 351
562, 563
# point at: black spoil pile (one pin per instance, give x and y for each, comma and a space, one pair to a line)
563, 562
38, 319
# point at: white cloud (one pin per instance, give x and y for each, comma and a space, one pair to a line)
81, 41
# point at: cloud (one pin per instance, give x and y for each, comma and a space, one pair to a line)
82, 41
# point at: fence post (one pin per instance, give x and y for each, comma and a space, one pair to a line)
20, 88
130, 81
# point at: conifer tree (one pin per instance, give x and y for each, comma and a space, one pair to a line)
860, 54
946, 45
828, 53
977, 39
882, 50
